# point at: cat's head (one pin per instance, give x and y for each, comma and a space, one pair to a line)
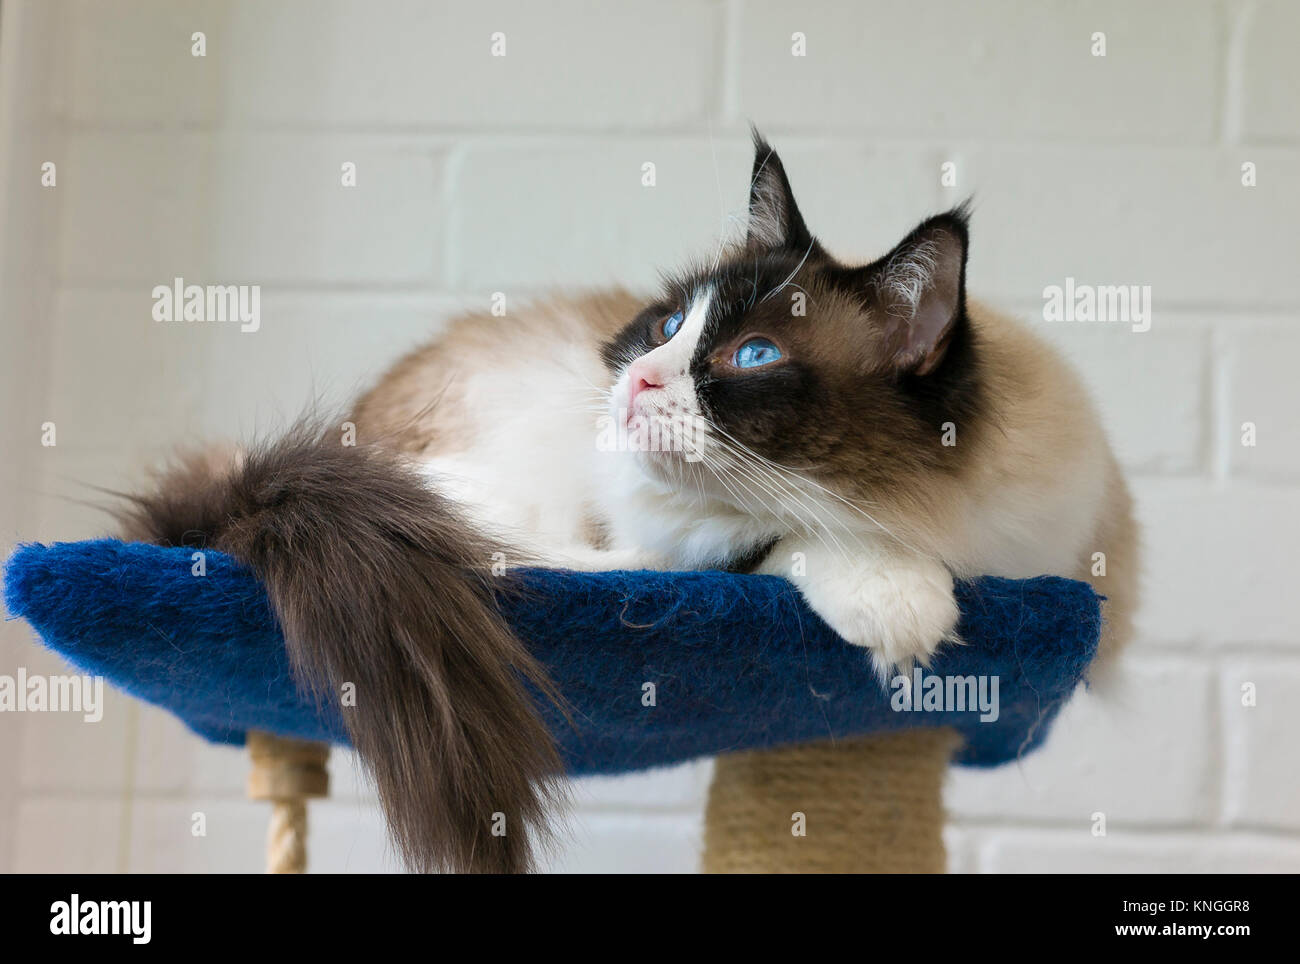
845, 374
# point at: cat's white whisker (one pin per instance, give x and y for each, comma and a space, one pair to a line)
805, 480
812, 522
790, 276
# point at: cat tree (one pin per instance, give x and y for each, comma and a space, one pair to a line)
818, 767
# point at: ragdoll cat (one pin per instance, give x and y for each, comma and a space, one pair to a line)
861, 430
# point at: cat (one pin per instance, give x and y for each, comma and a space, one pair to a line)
863, 431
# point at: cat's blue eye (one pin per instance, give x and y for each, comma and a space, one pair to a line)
755, 353
672, 323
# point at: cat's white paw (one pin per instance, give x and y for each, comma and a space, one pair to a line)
901, 613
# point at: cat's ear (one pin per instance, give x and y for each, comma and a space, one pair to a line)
774, 218
918, 290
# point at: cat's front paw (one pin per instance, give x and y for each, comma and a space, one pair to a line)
900, 614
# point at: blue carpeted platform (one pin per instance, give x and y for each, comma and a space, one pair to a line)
736, 661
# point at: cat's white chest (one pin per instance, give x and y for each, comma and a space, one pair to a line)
675, 525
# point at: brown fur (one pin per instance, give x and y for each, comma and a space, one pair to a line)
1041, 418
1117, 538
420, 405
376, 583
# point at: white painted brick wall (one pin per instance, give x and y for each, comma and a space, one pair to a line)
478, 174
145, 206
1125, 754
1262, 775
1217, 564
1150, 387
1264, 393
1263, 58
1003, 69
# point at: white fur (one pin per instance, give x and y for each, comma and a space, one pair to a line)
668, 508
908, 277
893, 601
672, 362
526, 468
767, 211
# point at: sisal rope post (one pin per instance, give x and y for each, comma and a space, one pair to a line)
288, 773
868, 805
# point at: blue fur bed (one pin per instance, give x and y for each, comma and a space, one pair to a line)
736, 661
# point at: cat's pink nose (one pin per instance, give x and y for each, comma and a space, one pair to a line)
639, 378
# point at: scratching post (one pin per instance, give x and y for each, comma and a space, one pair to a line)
869, 805
287, 772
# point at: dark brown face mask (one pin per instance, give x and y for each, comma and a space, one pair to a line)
821, 366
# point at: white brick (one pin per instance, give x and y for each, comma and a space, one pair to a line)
64, 836
136, 207
348, 780
248, 209
69, 508
860, 201
1217, 563
11, 726
349, 837
63, 751
10, 792
1261, 786
1268, 110
171, 759
342, 837
1099, 756
1175, 219
579, 215
629, 843
131, 62
395, 63
233, 841
122, 382
313, 349
127, 390
16, 649
1151, 388
1264, 390
1053, 852
683, 787
989, 69
959, 843
9, 805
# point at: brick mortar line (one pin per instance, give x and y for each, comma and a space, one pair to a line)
731, 128
1134, 830
1187, 314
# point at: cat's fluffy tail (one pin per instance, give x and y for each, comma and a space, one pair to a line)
377, 582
